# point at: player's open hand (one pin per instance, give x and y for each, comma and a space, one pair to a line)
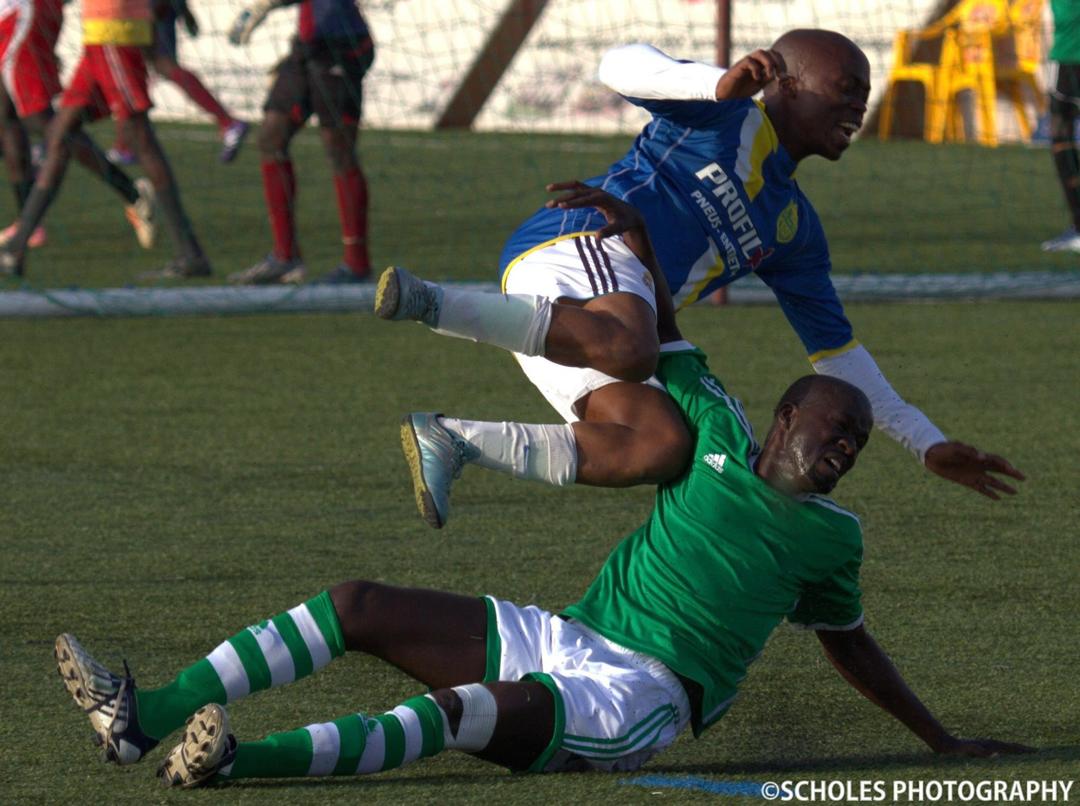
620, 215
971, 467
750, 74
980, 748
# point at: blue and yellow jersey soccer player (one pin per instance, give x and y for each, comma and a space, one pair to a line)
713, 176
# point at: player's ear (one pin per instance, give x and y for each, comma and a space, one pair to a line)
788, 85
785, 415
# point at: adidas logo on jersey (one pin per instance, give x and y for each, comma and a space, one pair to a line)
716, 461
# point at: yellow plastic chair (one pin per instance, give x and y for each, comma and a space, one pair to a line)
938, 43
974, 72
1018, 48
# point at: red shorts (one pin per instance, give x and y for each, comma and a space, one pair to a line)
28, 61
109, 80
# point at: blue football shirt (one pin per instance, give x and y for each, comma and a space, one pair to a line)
719, 196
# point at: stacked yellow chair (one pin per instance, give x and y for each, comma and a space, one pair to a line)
980, 45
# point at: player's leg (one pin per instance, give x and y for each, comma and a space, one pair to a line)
336, 81
438, 638
1064, 108
165, 64
627, 434
189, 260
441, 639
88, 154
507, 723
16, 148
287, 107
45, 188
583, 303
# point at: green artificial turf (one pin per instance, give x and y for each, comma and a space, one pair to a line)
444, 202
168, 481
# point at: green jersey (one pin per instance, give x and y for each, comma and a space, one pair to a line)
1066, 47
724, 557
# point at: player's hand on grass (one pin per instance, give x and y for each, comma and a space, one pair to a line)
620, 215
750, 74
972, 468
980, 748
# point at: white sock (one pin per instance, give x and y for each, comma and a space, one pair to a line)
479, 711
516, 322
538, 452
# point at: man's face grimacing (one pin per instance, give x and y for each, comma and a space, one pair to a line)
824, 441
820, 426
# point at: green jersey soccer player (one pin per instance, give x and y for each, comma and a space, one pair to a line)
739, 542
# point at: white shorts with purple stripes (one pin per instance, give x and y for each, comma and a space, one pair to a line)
581, 267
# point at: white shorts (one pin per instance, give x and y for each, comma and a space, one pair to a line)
579, 268
618, 707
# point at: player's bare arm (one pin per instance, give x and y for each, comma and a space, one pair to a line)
863, 663
750, 75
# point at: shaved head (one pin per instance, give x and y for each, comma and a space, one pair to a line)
808, 48
825, 388
818, 102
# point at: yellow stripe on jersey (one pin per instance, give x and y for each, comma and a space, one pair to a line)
714, 271
537, 248
835, 351
118, 32
757, 140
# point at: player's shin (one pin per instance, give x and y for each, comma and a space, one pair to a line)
177, 223
352, 745
516, 322
546, 453
33, 211
281, 650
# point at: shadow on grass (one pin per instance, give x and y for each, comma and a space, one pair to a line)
497, 777
894, 761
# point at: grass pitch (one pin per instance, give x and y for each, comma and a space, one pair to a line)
167, 482
444, 203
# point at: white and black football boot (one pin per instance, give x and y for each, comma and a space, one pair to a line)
107, 699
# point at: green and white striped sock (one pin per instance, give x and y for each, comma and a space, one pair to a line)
353, 745
286, 648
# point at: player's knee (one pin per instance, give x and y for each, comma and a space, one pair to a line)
273, 141
341, 155
355, 603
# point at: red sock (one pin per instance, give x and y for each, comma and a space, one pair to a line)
352, 197
279, 188
194, 89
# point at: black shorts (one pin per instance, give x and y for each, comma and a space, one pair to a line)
323, 78
1065, 96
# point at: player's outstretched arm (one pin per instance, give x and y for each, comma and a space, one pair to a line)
863, 663
626, 220
955, 461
